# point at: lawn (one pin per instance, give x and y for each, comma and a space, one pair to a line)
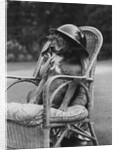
102, 111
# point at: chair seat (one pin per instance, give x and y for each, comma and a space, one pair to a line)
32, 113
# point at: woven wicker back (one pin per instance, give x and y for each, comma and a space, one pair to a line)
94, 43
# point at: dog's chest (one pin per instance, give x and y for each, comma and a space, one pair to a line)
55, 63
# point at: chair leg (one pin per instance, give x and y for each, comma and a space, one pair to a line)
60, 138
46, 138
95, 142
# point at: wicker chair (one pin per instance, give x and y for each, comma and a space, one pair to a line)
58, 127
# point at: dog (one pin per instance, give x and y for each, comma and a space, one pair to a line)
58, 63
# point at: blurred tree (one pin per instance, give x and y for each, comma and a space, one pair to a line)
100, 16
28, 22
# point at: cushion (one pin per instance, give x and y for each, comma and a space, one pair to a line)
73, 113
32, 113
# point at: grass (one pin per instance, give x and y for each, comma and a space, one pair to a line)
102, 111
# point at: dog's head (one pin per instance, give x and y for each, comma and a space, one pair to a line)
63, 48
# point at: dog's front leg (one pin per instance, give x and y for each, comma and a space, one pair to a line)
69, 94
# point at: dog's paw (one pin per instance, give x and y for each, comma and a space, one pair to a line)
63, 108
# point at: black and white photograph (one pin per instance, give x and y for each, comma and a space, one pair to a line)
58, 75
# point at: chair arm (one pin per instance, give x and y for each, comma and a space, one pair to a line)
19, 80
77, 79
22, 77
51, 79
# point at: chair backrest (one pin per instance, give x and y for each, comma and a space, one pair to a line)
94, 44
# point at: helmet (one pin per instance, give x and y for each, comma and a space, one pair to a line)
74, 33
